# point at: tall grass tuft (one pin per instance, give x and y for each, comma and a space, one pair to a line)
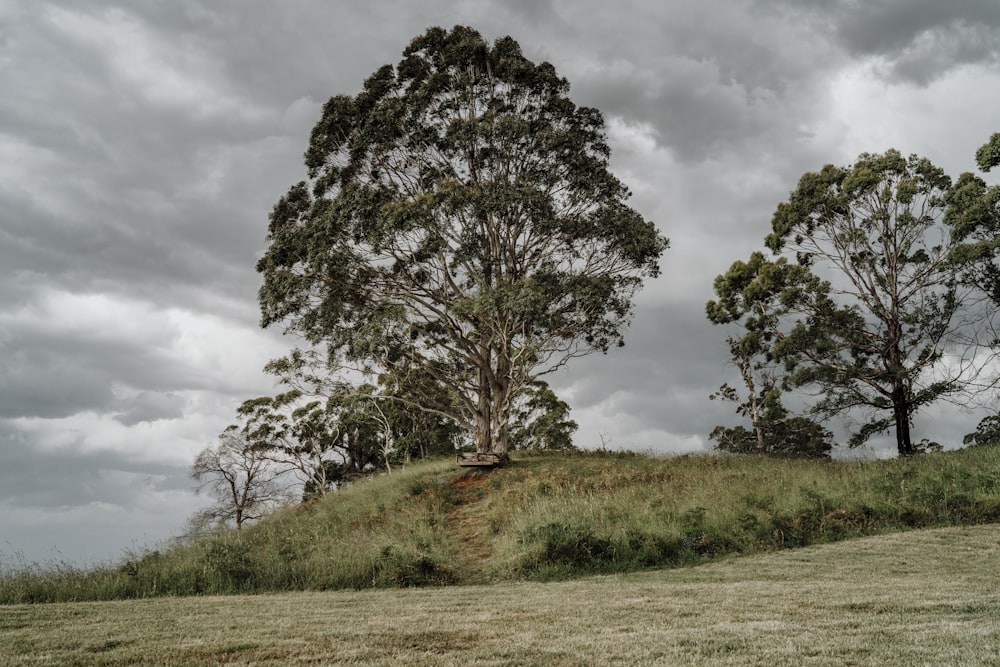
545, 517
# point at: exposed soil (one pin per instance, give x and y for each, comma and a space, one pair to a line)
469, 527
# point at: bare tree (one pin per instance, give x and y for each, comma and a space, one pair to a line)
241, 479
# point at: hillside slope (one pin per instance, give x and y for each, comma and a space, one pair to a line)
552, 516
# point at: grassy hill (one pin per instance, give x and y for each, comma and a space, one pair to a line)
543, 518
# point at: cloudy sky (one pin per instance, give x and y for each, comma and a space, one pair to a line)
143, 143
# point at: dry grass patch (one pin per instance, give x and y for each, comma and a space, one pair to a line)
925, 597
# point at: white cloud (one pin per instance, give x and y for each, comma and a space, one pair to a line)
943, 120
632, 138
98, 532
205, 364
204, 349
24, 170
609, 424
108, 318
175, 73
169, 441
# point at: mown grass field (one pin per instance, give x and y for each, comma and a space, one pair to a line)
927, 597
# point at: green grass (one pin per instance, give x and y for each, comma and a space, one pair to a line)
912, 598
544, 518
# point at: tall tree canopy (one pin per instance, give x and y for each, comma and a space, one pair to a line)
460, 221
867, 321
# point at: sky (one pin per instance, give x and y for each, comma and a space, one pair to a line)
143, 144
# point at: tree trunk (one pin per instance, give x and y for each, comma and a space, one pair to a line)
484, 415
492, 428
901, 412
746, 370
900, 398
500, 426
501, 401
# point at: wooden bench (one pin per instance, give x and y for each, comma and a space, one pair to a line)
482, 459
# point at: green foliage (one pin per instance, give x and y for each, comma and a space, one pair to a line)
460, 223
973, 214
988, 155
326, 442
986, 433
542, 422
416, 433
926, 446
755, 296
394, 567
787, 436
364, 425
330, 433
229, 561
574, 547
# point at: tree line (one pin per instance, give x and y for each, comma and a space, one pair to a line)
877, 296
460, 236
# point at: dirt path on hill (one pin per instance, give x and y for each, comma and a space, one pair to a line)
466, 522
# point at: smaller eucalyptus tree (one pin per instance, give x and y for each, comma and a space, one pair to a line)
541, 421
325, 441
753, 296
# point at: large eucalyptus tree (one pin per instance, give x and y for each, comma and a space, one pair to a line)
460, 221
